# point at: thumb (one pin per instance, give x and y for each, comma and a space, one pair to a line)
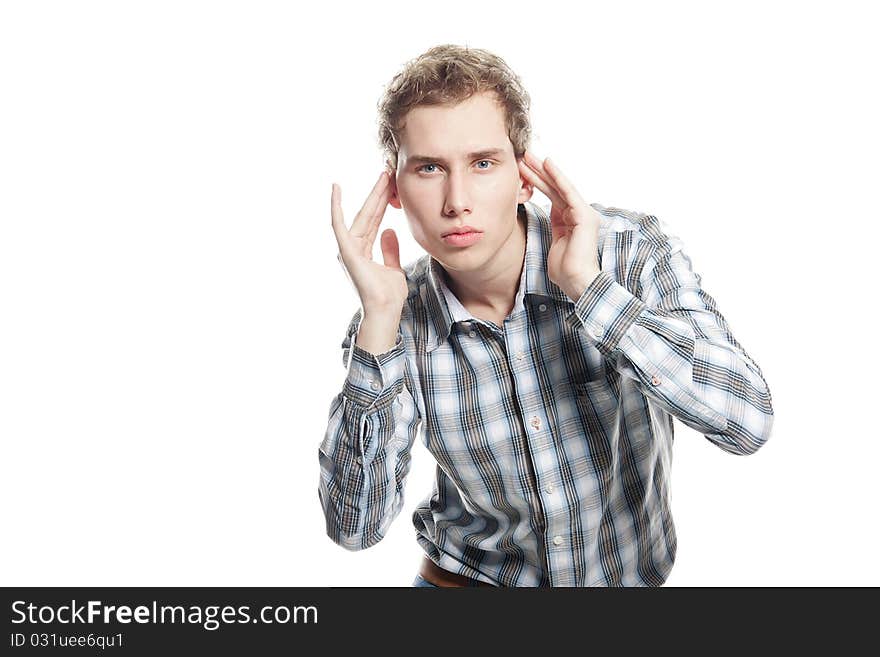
390, 249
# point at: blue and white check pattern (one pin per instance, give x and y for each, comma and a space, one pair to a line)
553, 437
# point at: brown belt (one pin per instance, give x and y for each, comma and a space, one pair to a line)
442, 577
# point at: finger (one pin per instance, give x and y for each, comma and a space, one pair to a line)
539, 182
361, 223
534, 165
537, 166
336, 220
376, 220
390, 249
563, 184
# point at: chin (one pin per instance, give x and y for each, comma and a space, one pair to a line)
460, 261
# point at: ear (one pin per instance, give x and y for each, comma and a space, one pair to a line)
526, 189
394, 199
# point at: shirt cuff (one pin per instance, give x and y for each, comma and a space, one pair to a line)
605, 311
374, 379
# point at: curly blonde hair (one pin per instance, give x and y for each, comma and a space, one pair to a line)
448, 74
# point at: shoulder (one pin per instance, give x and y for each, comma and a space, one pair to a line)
416, 276
417, 281
636, 226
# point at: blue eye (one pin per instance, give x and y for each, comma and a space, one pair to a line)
422, 168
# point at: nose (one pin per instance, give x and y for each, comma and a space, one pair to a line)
457, 200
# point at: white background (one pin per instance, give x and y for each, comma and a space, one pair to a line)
172, 310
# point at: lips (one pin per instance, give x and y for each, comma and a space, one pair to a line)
462, 239
460, 230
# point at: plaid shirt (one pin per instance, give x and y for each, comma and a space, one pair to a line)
553, 437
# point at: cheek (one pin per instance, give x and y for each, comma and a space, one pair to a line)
410, 192
417, 229
503, 185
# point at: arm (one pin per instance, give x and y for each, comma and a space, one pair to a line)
365, 454
675, 344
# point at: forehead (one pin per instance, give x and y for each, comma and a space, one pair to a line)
451, 130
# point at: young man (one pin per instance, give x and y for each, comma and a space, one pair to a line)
542, 357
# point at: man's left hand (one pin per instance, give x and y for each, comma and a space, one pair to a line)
573, 261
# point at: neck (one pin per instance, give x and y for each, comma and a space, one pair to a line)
494, 286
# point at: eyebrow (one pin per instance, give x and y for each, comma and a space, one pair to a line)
487, 152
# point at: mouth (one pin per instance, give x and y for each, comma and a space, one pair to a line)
461, 229
462, 239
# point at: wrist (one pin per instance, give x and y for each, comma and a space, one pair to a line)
378, 330
385, 315
575, 288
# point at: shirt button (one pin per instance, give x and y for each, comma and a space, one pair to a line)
596, 332
520, 355
473, 334
549, 488
536, 422
359, 460
655, 380
557, 540
375, 385
542, 307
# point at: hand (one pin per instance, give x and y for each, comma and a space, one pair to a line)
573, 259
380, 287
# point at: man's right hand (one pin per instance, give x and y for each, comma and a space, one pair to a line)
381, 288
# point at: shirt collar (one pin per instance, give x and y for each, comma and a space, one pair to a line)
444, 309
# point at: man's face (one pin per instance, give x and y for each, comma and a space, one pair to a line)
470, 178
